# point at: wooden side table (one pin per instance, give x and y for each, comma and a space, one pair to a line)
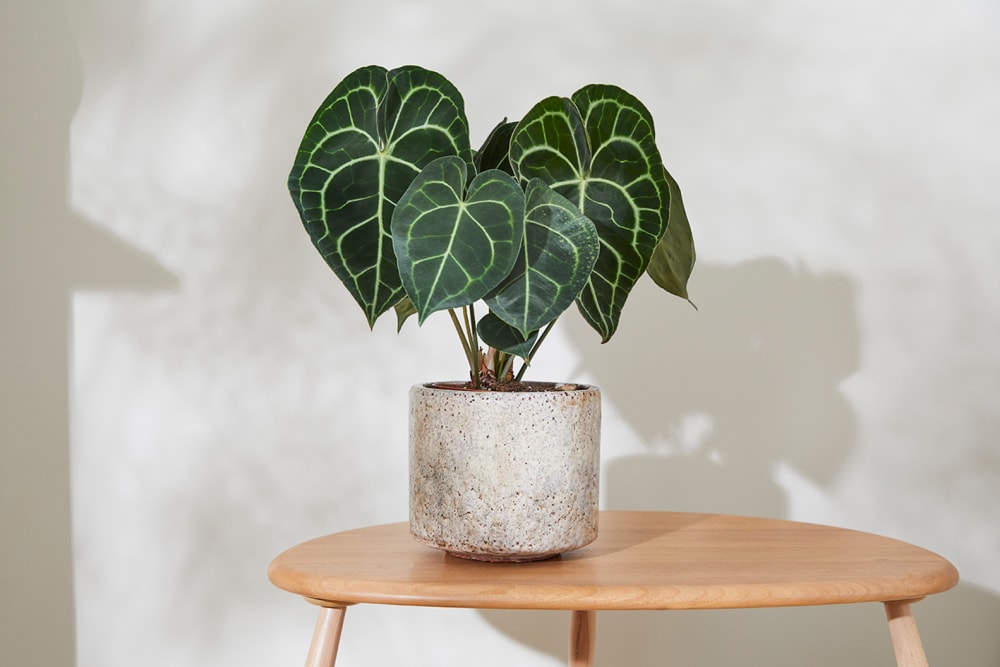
641, 560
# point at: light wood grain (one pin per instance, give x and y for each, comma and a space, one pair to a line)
326, 637
905, 638
641, 560
582, 635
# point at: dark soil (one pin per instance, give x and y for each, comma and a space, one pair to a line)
492, 384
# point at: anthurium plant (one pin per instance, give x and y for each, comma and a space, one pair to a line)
571, 204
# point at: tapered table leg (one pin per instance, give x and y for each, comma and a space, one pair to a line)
326, 637
582, 633
905, 638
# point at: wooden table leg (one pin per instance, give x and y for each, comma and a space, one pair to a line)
582, 632
326, 637
905, 638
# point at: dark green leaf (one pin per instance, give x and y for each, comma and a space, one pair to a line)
454, 246
557, 256
599, 151
550, 143
501, 336
364, 146
404, 310
674, 258
495, 151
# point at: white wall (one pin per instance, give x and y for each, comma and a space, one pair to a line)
838, 163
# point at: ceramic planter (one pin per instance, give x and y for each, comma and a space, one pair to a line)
504, 476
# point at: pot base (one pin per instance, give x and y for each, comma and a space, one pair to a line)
491, 558
543, 547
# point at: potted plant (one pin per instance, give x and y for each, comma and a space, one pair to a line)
571, 204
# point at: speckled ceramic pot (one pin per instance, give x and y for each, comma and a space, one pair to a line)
504, 476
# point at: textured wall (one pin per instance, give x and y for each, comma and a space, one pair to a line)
839, 166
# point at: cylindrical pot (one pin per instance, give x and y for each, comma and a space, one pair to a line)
504, 476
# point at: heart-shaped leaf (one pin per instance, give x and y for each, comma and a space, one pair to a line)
501, 336
557, 255
454, 246
673, 260
550, 143
599, 151
364, 146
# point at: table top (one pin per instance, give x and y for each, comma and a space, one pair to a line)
640, 560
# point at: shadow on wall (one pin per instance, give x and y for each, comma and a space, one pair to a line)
47, 254
718, 399
720, 396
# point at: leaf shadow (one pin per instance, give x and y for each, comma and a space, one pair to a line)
718, 399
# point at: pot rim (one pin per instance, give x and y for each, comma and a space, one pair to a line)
549, 387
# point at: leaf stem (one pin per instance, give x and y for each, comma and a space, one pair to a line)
470, 355
534, 350
470, 323
504, 363
473, 332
